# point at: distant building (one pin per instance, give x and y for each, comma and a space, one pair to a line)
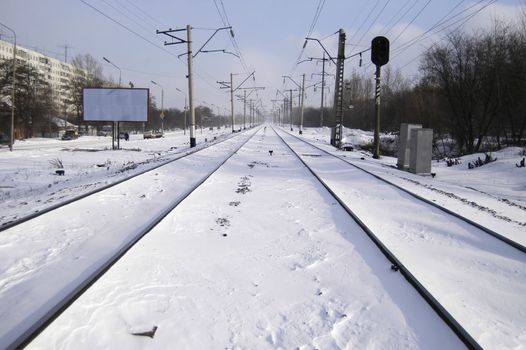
56, 72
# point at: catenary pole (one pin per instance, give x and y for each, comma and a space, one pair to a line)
244, 108
232, 101
191, 86
302, 102
290, 109
322, 88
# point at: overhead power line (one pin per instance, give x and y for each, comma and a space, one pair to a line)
463, 21
145, 39
411, 22
127, 28
317, 13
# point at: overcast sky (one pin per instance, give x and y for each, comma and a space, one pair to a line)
269, 33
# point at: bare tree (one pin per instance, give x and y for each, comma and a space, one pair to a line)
466, 72
88, 73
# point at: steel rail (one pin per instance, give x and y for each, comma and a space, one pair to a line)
32, 332
397, 265
23, 219
496, 235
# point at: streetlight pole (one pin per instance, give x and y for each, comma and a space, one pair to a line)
162, 104
114, 65
12, 129
113, 123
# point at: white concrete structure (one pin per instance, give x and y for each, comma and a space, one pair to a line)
404, 142
421, 151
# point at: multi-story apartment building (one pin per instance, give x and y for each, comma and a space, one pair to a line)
56, 72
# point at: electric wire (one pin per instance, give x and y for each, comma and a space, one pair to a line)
402, 16
315, 19
143, 38
153, 21
443, 25
125, 15
390, 21
373, 22
127, 28
411, 22
364, 20
444, 19
464, 20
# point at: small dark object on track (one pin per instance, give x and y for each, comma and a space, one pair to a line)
150, 333
394, 267
270, 152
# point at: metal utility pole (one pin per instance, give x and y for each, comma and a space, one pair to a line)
290, 110
185, 109
184, 130
285, 107
232, 101
322, 88
338, 92
244, 109
191, 86
251, 113
230, 85
190, 77
66, 47
302, 100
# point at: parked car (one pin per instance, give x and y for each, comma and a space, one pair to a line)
152, 134
104, 131
70, 135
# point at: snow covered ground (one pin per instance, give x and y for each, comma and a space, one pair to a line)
28, 181
258, 257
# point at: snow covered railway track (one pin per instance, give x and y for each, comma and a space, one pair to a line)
453, 263
8, 224
499, 236
89, 235
259, 257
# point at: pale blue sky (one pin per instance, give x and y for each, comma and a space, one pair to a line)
270, 35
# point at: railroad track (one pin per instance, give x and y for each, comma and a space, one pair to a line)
25, 323
6, 225
490, 232
488, 246
257, 237
398, 258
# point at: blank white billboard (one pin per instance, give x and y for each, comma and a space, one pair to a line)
121, 104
